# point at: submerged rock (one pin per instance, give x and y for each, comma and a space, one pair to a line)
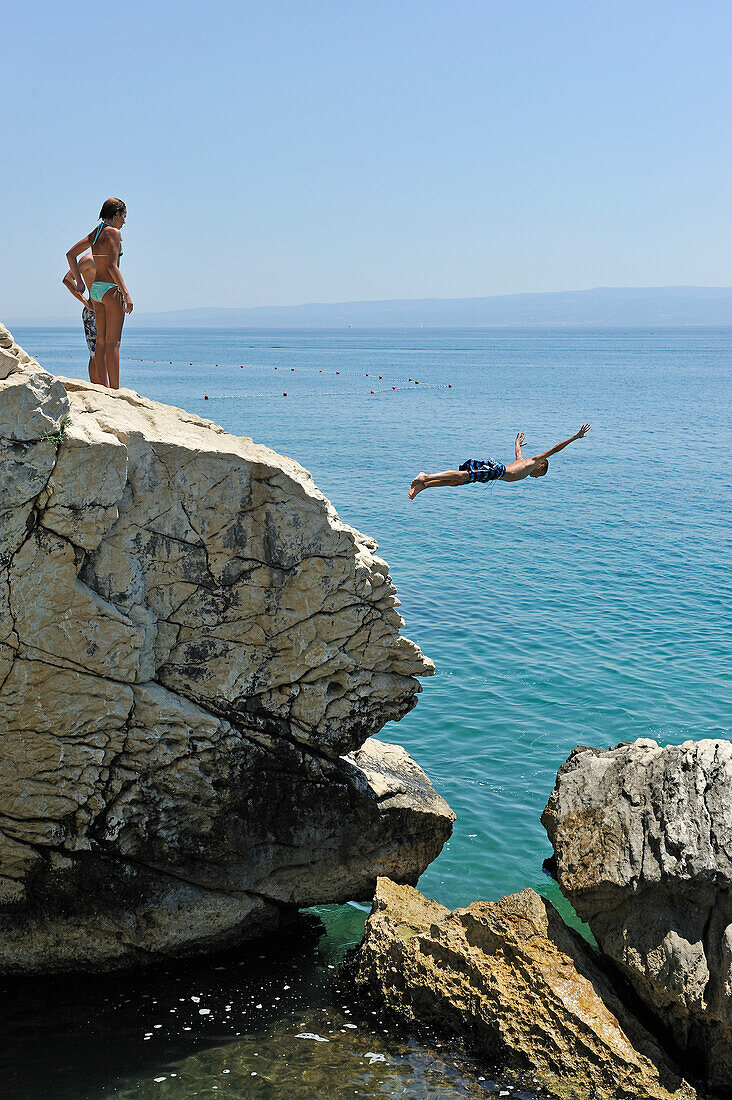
194, 650
642, 838
517, 986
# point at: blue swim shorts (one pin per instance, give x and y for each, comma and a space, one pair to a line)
479, 469
90, 328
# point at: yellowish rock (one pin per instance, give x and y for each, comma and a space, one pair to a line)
520, 987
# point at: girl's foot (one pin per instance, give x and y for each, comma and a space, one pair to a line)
417, 485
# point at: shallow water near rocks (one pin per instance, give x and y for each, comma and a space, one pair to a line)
590, 606
259, 1022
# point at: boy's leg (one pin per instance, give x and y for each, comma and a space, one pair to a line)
434, 481
90, 332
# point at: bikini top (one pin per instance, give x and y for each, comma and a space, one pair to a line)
102, 225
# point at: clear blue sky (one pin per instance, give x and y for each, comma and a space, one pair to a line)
286, 151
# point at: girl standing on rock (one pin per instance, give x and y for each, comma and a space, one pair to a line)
109, 295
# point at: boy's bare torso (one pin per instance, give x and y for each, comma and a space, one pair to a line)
520, 468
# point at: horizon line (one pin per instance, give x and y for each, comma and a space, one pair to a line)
60, 319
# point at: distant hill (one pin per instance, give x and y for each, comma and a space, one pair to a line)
676, 305
602, 306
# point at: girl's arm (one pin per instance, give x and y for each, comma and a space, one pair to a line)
76, 250
565, 443
115, 240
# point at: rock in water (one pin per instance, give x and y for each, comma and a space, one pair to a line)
517, 985
194, 651
642, 838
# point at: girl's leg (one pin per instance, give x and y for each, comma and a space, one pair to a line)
114, 319
100, 368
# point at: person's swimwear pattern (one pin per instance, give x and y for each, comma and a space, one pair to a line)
479, 469
90, 328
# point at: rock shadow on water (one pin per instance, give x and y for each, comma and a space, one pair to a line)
68, 1038
263, 1021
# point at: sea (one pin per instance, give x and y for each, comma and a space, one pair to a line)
590, 607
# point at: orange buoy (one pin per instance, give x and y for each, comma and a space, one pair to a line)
393, 387
205, 397
373, 391
380, 376
416, 381
449, 385
367, 374
292, 368
285, 394
338, 372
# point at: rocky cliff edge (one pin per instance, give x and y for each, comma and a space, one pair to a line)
194, 654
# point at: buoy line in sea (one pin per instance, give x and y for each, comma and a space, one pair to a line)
406, 383
320, 393
278, 367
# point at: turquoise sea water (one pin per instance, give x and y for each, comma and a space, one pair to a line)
591, 606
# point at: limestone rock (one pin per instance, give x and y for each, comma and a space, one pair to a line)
518, 986
642, 837
194, 650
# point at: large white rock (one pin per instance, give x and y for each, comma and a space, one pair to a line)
193, 650
642, 840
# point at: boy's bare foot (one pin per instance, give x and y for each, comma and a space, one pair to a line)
417, 485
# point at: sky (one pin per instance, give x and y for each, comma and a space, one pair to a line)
286, 151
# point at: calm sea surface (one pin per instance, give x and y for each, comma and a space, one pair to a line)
591, 606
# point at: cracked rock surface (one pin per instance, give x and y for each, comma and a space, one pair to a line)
518, 986
194, 654
642, 837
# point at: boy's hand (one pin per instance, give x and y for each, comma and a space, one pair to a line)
583, 431
521, 438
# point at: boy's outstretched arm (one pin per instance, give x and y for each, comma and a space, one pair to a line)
520, 438
565, 443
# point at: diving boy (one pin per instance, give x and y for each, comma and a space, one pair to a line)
477, 469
